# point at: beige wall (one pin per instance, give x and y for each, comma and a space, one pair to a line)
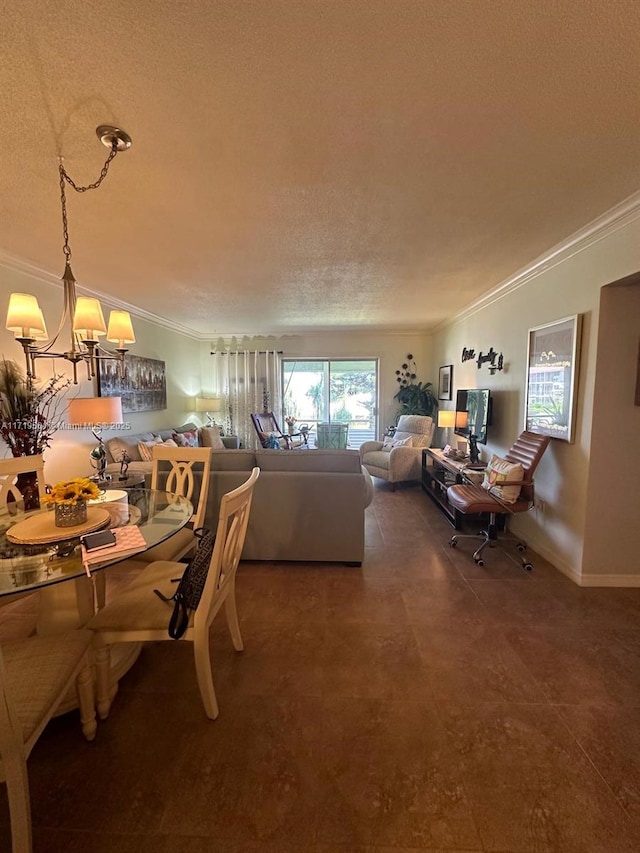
69, 452
571, 286
612, 531
390, 348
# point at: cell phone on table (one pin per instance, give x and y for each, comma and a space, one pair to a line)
101, 539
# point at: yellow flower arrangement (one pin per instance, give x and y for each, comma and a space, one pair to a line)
69, 492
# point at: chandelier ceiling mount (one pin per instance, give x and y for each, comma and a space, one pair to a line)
84, 313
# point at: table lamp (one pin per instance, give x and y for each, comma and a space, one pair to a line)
95, 413
209, 405
446, 420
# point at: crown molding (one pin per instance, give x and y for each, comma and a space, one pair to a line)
608, 223
13, 263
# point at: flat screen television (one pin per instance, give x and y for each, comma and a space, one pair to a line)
473, 413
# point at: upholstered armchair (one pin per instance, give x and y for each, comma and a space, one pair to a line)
399, 458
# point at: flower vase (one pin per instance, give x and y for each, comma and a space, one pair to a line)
290, 429
70, 515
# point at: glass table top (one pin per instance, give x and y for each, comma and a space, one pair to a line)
26, 567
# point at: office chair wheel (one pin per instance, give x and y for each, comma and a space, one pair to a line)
527, 566
479, 561
521, 547
453, 542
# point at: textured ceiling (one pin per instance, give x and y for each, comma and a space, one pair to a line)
313, 165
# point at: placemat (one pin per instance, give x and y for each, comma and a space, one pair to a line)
40, 528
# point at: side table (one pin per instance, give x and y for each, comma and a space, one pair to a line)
134, 480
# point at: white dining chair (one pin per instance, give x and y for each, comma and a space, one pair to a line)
177, 470
13, 466
35, 674
138, 615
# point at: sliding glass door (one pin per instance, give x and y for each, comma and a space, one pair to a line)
322, 391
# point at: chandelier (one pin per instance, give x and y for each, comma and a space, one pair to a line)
25, 318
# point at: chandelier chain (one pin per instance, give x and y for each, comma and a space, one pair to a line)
63, 198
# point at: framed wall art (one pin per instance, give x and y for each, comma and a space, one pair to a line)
445, 380
141, 383
552, 378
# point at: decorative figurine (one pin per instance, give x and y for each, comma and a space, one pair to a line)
125, 459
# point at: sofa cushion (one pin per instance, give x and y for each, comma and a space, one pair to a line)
188, 438
233, 460
210, 437
333, 461
145, 448
116, 445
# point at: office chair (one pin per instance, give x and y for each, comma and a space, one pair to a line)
471, 499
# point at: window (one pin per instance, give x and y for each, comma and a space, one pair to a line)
327, 391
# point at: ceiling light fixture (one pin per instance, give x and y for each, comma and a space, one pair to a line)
24, 316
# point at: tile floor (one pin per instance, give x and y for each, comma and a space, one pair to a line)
418, 703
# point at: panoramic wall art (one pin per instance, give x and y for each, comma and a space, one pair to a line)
141, 383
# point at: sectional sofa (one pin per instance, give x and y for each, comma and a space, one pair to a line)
308, 504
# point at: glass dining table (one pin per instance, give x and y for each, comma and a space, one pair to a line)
46, 567
28, 567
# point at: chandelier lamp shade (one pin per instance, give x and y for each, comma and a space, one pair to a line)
82, 314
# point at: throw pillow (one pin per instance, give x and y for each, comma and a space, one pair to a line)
145, 449
389, 442
499, 472
210, 437
189, 438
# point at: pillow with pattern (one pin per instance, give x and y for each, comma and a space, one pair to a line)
186, 439
389, 442
498, 473
145, 449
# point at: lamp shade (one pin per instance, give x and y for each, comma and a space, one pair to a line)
95, 410
24, 317
462, 420
120, 330
446, 418
88, 320
207, 404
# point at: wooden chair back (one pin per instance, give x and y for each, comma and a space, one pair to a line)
10, 469
233, 520
180, 477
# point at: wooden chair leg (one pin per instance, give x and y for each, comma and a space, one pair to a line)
231, 612
202, 656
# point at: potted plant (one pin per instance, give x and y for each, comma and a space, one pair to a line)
415, 398
29, 416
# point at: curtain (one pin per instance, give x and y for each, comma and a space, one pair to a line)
248, 381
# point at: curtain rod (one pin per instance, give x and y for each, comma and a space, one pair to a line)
249, 352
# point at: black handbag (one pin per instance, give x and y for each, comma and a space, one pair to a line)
190, 586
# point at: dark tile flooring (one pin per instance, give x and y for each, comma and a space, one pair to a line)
417, 703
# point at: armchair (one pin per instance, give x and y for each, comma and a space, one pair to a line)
266, 425
399, 458
526, 452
